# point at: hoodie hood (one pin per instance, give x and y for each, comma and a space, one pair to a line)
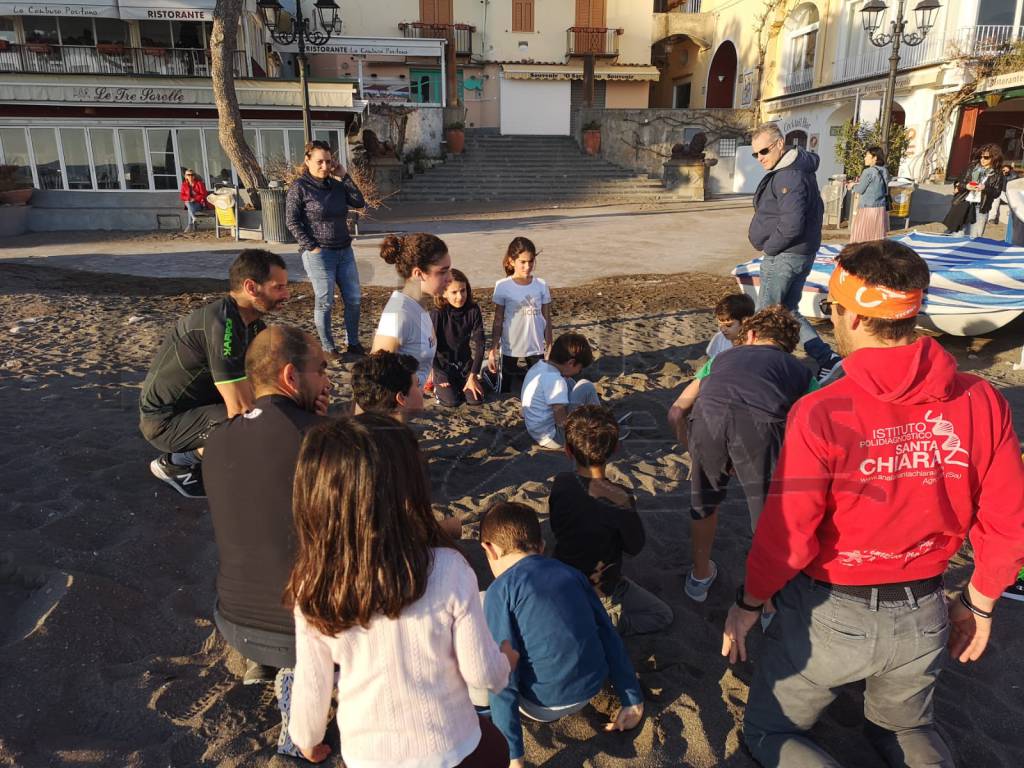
922, 372
798, 160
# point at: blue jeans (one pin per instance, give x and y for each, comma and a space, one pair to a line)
821, 641
782, 282
193, 208
324, 270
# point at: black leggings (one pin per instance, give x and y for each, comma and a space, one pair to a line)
453, 394
512, 374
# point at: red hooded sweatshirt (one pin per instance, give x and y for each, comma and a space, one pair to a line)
883, 473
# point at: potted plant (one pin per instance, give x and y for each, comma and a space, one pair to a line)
592, 137
455, 134
14, 189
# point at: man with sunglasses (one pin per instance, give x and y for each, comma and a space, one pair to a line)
881, 477
786, 228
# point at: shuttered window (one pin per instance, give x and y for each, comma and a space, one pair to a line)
436, 11
590, 13
522, 15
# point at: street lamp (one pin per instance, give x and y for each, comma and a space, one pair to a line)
313, 32
873, 11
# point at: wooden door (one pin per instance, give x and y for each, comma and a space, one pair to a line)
963, 144
436, 12
590, 14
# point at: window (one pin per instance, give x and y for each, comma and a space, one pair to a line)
273, 148
218, 165
681, 96
187, 34
111, 31
296, 146
161, 153
14, 151
44, 147
104, 158
190, 151
727, 147
76, 31
996, 12
522, 15
801, 38
133, 158
7, 31
41, 29
76, 158
155, 34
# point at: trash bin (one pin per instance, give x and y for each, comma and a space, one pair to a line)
901, 190
272, 203
833, 198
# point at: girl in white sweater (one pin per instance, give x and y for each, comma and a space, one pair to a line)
381, 591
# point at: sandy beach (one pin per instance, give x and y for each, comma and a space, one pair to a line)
108, 654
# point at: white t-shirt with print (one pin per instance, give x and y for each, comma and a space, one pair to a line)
543, 387
404, 319
522, 332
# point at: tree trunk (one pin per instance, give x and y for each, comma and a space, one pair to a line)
226, 17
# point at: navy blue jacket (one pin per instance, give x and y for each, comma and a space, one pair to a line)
551, 615
317, 211
788, 207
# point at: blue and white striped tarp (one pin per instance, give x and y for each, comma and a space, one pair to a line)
968, 276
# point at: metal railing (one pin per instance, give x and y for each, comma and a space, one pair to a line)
683, 6
986, 40
462, 33
599, 41
800, 80
112, 60
876, 62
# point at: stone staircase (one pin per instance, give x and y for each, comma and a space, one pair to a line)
541, 169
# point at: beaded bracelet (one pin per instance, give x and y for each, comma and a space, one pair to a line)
973, 608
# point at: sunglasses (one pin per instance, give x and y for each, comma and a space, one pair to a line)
763, 152
825, 305
986, 157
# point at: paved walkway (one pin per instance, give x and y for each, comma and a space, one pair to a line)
577, 244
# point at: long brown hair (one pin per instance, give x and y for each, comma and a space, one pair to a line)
363, 523
517, 246
458, 276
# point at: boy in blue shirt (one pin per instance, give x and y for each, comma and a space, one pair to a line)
550, 613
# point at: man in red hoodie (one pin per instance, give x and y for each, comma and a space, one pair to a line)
881, 476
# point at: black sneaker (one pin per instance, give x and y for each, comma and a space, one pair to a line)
825, 372
357, 350
188, 481
1016, 592
257, 674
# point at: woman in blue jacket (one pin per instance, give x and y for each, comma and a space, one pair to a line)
871, 222
317, 217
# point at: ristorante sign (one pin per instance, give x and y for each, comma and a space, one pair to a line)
169, 10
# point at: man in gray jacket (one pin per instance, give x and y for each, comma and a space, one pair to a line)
786, 228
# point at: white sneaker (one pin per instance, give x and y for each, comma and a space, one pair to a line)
697, 589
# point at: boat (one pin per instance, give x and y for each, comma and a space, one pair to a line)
977, 285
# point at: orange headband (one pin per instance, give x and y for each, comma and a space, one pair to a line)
873, 300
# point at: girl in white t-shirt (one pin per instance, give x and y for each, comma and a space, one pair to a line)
522, 315
405, 327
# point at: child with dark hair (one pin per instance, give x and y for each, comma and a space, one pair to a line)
550, 393
595, 521
567, 646
459, 329
736, 426
387, 383
522, 315
730, 312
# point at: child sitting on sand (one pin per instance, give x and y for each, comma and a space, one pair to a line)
595, 520
549, 392
730, 312
522, 315
459, 329
400, 617
386, 382
567, 646
736, 426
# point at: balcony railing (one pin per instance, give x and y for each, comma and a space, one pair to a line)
462, 33
682, 6
986, 40
111, 60
597, 41
876, 62
800, 80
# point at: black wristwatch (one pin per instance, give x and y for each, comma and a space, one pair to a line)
741, 603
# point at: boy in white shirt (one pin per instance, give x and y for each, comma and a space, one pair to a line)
550, 393
730, 312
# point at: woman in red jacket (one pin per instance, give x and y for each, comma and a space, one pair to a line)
193, 194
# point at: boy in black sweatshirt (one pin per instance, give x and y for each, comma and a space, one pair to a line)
595, 520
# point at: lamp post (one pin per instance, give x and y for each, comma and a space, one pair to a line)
315, 32
872, 11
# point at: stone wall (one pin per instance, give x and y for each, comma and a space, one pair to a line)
424, 128
642, 139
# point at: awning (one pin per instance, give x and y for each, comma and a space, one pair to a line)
102, 9
372, 46
169, 10
633, 73
170, 92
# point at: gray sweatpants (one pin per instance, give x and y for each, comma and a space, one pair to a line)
635, 611
820, 641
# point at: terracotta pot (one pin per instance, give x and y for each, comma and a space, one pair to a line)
16, 196
456, 140
592, 142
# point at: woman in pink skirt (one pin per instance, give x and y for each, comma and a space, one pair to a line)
871, 222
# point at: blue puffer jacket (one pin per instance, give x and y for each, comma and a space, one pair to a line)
788, 207
317, 211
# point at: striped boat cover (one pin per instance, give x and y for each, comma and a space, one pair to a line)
968, 276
